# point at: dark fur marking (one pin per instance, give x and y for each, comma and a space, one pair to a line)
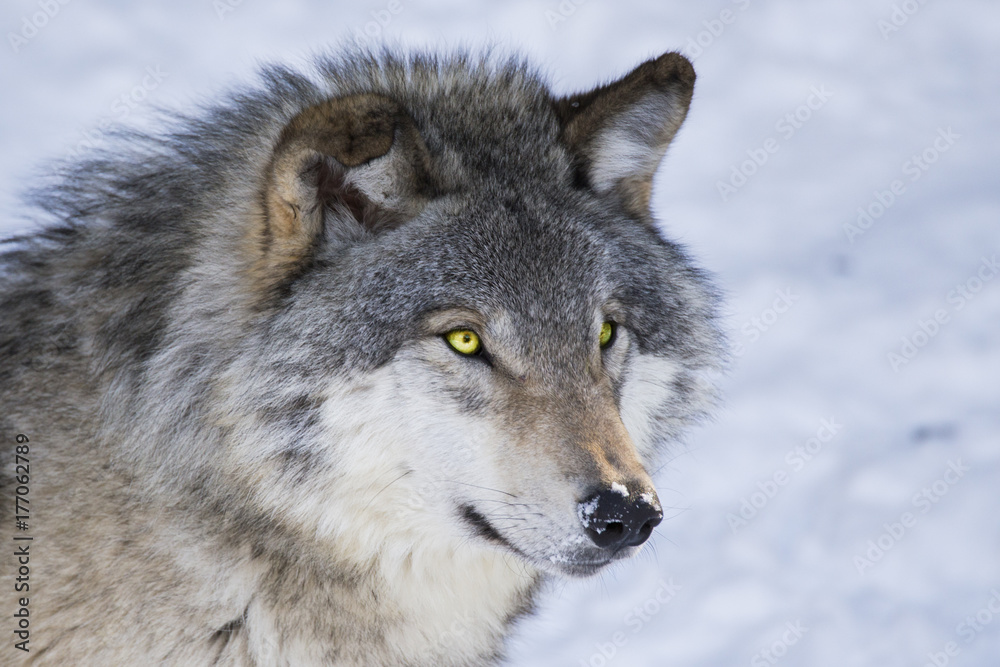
484, 528
299, 462
299, 413
224, 635
581, 181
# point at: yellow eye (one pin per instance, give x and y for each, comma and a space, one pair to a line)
464, 341
607, 333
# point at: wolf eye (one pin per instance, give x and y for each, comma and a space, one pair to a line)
464, 341
607, 333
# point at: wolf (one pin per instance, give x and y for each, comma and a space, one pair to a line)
341, 368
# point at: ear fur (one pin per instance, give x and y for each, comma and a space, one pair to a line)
345, 167
618, 133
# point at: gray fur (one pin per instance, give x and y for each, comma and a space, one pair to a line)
192, 426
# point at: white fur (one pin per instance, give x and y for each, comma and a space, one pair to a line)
634, 143
374, 511
646, 390
618, 154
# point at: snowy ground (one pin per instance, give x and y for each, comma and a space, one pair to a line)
883, 546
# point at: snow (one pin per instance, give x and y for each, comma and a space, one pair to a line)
779, 546
586, 512
650, 499
620, 489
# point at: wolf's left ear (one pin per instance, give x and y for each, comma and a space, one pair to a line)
618, 133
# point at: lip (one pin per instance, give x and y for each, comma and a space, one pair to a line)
564, 564
583, 568
485, 530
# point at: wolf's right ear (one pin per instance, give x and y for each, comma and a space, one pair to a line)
355, 163
618, 133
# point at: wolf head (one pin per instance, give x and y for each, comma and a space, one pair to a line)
472, 268
444, 311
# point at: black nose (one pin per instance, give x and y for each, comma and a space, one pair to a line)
614, 519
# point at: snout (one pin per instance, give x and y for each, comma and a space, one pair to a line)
613, 518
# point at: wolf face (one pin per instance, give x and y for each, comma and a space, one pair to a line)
346, 363
394, 228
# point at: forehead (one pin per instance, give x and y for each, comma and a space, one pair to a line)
531, 256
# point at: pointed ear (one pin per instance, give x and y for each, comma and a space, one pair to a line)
340, 169
617, 134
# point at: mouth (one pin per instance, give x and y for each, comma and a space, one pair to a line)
484, 529
583, 568
588, 562
575, 565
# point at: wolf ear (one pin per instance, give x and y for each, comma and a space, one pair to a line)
342, 168
617, 134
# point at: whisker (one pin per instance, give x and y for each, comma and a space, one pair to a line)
484, 488
386, 487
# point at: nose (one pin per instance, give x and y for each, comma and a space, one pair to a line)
614, 519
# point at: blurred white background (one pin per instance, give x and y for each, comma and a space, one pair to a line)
842, 509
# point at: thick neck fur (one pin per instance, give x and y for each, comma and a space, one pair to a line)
398, 610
